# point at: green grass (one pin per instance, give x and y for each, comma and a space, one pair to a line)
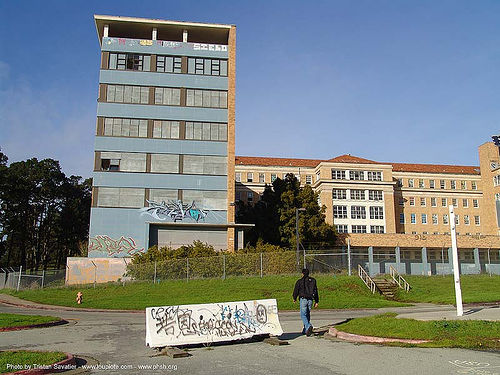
441, 289
16, 320
339, 292
22, 357
469, 334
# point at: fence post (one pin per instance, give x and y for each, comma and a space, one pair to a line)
489, 262
95, 273
224, 266
43, 277
154, 278
349, 256
19, 280
187, 269
261, 265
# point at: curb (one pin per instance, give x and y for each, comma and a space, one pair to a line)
370, 339
40, 325
65, 365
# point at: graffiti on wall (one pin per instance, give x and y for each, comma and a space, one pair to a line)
114, 247
175, 210
165, 44
194, 324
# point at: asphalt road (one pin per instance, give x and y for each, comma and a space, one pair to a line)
117, 342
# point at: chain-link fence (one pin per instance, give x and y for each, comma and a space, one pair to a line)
17, 278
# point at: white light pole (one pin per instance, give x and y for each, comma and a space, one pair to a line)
456, 269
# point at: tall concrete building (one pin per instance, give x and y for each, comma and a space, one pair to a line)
164, 141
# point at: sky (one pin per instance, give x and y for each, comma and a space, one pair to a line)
390, 81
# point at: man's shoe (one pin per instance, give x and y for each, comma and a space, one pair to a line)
309, 331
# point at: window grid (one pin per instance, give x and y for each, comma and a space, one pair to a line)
169, 64
340, 212
358, 212
339, 194
376, 212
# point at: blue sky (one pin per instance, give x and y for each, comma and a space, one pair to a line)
402, 81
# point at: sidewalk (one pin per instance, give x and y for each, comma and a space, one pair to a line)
491, 313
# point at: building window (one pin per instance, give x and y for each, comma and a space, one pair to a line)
206, 98
250, 177
444, 202
465, 203
127, 94
473, 185
206, 131
442, 184
411, 183
359, 229
453, 184
399, 182
123, 161
433, 202
376, 212
466, 220
445, 219
424, 218
120, 197
421, 183
477, 220
237, 176
204, 66
206, 199
376, 229
318, 175
375, 195
412, 201
162, 195
125, 127
434, 219
356, 175
339, 194
261, 177
340, 212
374, 176
209, 165
358, 212
129, 61
250, 196
169, 64
422, 201
166, 129
309, 179
167, 96
413, 218
338, 174
496, 180
463, 185
454, 202
475, 203
401, 218
164, 163
357, 194
457, 220
432, 184
273, 177
341, 228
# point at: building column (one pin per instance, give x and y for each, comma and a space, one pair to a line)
154, 34
105, 31
371, 268
450, 259
398, 259
476, 260
185, 36
425, 264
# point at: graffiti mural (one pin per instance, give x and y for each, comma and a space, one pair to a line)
175, 210
114, 247
206, 323
165, 44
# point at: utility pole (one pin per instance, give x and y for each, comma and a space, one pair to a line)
456, 266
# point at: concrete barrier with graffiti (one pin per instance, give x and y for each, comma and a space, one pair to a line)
213, 322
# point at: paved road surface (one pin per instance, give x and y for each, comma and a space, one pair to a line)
117, 340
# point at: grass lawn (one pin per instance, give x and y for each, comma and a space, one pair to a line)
467, 334
16, 320
441, 289
22, 357
338, 292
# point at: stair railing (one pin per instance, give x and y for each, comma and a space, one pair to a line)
363, 275
398, 279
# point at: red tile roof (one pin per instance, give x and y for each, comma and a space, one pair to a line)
397, 167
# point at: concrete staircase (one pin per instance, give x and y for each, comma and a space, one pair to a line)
386, 287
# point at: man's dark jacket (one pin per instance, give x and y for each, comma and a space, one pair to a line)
306, 288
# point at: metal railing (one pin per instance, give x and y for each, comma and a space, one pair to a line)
363, 275
398, 279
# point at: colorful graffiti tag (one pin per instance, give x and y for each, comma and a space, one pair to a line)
114, 247
175, 210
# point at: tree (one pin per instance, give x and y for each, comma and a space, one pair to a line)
274, 216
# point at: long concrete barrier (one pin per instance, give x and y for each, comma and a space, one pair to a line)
212, 322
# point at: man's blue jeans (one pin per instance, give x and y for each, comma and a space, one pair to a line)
305, 312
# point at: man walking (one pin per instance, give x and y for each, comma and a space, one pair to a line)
307, 291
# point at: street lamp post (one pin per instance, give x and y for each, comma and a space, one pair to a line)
297, 236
